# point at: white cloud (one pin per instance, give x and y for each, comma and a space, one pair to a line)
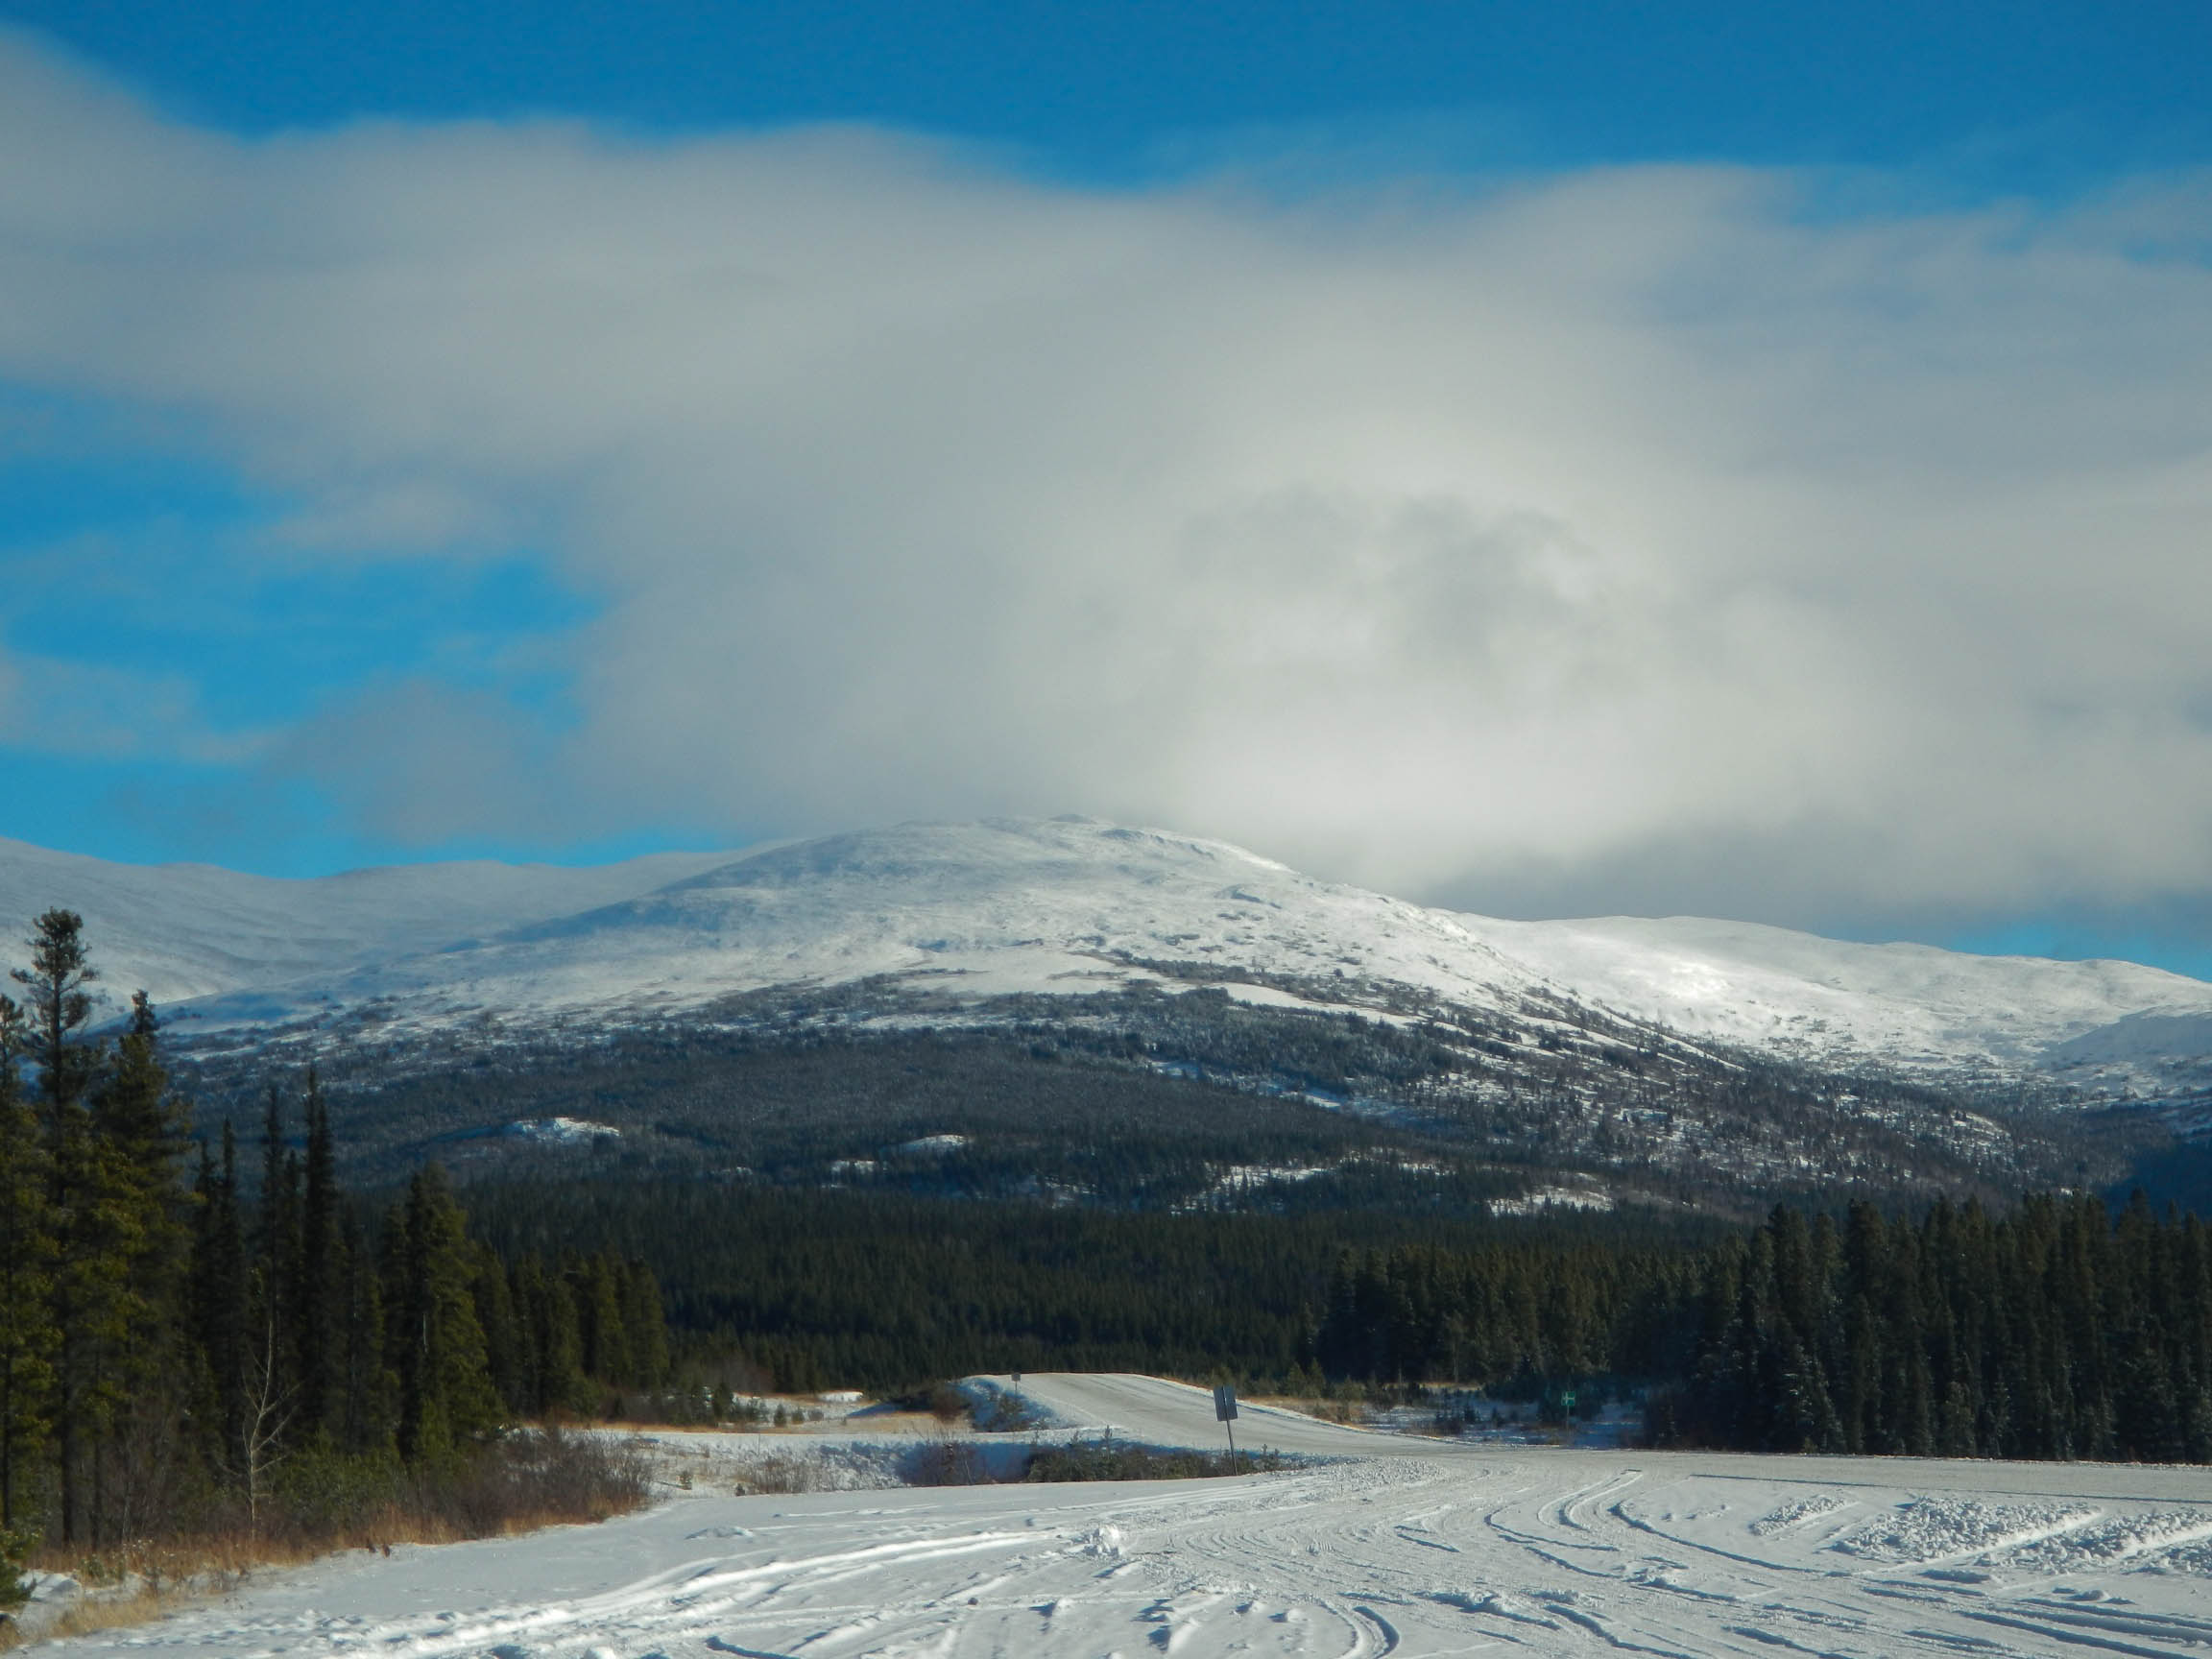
1624, 535
59, 705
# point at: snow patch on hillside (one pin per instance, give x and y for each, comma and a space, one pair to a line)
1542, 1198
561, 1131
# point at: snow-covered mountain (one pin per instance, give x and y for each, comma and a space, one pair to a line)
968, 912
2111, 1026
971, 910
185, 931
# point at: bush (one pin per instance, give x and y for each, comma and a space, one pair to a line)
946, 1401
949, 1463
535, 1478
1105, 1460
15, 1549
1003, 1414
320, 1496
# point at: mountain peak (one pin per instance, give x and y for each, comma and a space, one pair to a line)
1058, 908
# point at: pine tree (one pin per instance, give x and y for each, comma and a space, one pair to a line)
445, 1393
140, 1136
647, 1327
505, 1349
220, 1285
546, 1311
317, 1295
370, 1389
598, 1287
277, 1245
89, 1249
26, 1334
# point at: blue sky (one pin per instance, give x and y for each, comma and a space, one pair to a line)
1749, 451
2014, 96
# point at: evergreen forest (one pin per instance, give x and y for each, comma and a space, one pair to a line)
179, 1356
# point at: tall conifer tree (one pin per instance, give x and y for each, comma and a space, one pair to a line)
218, 1295
446, 1392
319, 1294
26, 1335
88, 1263
139, 1142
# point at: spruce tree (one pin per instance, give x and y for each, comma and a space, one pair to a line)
277, 1245
141, 1140
445, 1393
88, 1262
505, 1347
317, 1295
370, 1391
26, 1334
546, 1313
219, 1300
647, 1327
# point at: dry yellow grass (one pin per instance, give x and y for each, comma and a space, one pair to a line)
138, 1582
92, 1615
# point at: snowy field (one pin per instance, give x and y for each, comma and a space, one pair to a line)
1395, 1546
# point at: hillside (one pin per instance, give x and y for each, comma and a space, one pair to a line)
962, 913
1120, 1015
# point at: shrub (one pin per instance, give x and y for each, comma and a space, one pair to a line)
1106, 1461
15, 1549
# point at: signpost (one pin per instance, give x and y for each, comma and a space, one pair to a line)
1225, 1412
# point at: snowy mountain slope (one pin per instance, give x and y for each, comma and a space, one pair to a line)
977, 910
1909, 1005
180, 931
1060, 907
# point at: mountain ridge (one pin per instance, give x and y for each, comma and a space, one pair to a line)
966, 912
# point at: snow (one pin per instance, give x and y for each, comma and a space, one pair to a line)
934, 1145
1913, 1005
1395, 1546
1931, 1529
1067, 907
964, 910
559, 1131
1544, 1198
1240, 1180
181, 932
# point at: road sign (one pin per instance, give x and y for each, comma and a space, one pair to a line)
1225, 1403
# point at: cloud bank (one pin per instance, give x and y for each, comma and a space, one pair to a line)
1641, 538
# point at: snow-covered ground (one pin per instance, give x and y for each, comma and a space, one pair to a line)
1397, 1546
1058, 908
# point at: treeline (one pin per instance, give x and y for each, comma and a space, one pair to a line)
1527, 1312
177, 1353
799, 1290
2054, 1331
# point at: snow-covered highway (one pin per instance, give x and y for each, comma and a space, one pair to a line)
1402, 1547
